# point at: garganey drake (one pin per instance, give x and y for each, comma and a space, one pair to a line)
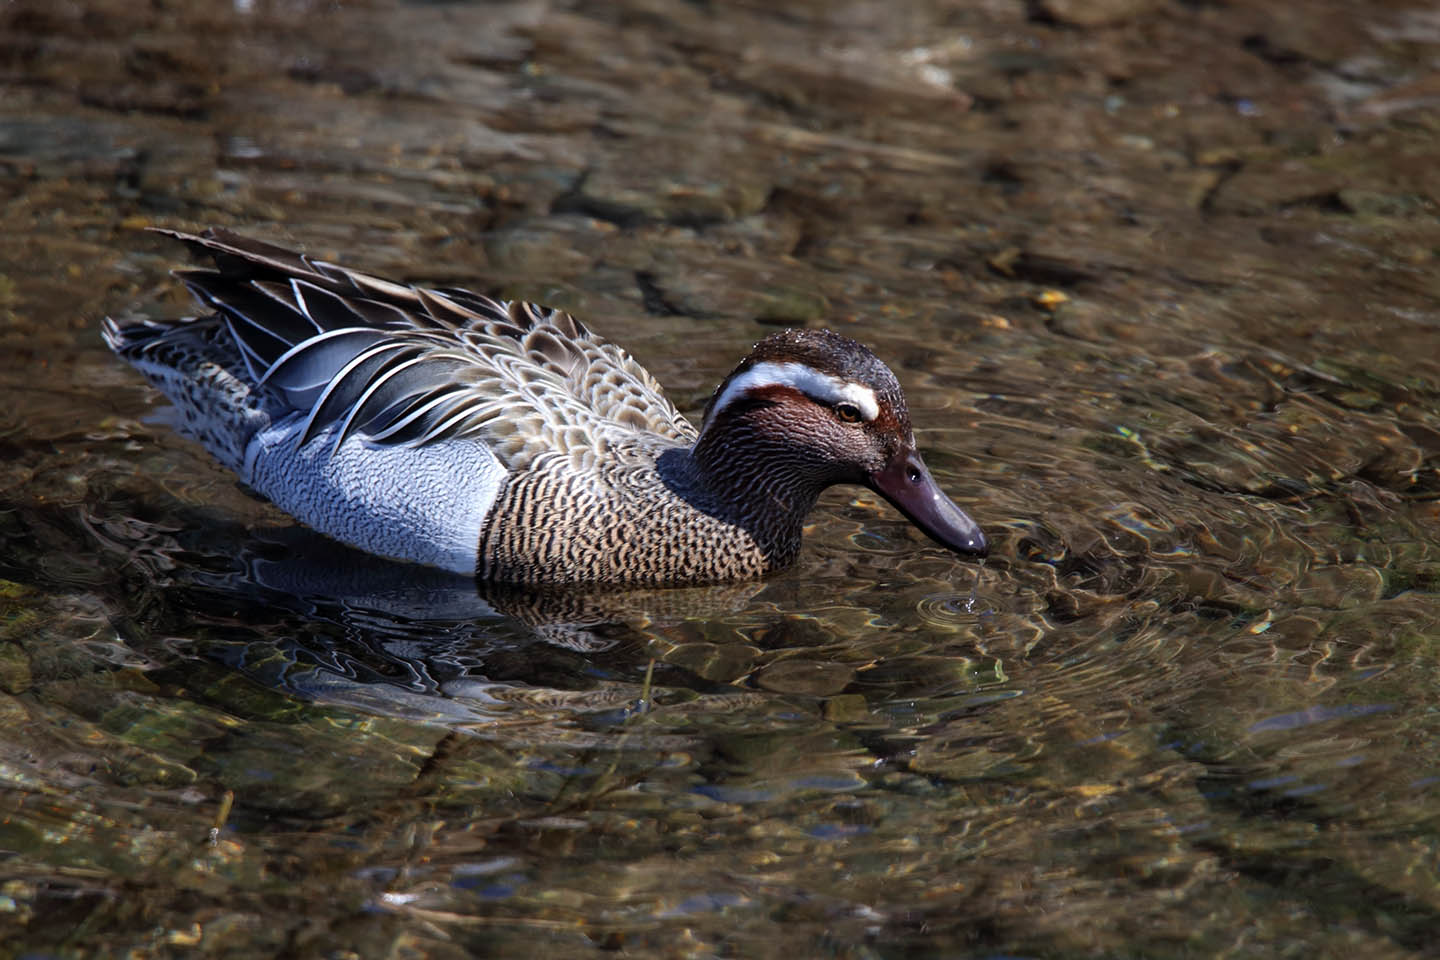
506, 441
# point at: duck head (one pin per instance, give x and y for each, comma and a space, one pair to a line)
817, 408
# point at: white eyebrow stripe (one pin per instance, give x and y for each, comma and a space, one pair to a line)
809, 381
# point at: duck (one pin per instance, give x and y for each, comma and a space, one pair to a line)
505, 441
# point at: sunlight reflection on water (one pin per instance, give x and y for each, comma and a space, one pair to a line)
1195, 414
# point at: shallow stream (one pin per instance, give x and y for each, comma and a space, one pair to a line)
1159, 279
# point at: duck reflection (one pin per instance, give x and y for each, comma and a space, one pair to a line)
400, 639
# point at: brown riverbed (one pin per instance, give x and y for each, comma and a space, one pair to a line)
1159, 280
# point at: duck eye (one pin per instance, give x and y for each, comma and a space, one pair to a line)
847, 412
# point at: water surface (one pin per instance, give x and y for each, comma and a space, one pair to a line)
1158, 280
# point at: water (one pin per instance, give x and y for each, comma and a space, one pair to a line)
1158, 281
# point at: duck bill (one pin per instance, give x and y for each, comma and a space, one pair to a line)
906, 482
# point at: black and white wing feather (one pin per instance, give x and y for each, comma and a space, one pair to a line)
402, 364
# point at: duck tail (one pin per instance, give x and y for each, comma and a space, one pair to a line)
188, 361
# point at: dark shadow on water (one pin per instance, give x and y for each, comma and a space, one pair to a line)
306, 616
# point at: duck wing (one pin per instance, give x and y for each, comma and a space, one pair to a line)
401, 364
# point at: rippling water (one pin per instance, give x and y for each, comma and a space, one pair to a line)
1158, 280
